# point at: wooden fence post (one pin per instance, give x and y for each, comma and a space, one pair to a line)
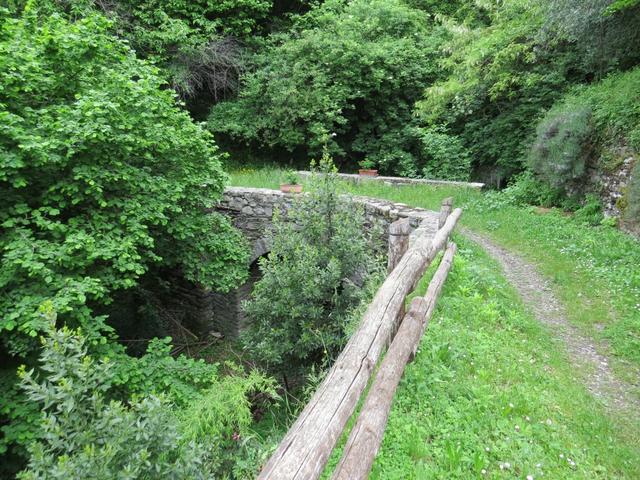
305, 449
399, 232
445, 211
366, 436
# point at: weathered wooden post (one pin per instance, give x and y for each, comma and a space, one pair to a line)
398, 242
305, 449
445, 210
366, 436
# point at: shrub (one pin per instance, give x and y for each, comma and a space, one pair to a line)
444, 154
353, 69
590, 212
104, 179
525, 189
84, 435
615, 102
561, 151
104, 184
310, 278
177, 419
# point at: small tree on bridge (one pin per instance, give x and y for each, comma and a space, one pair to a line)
320, 258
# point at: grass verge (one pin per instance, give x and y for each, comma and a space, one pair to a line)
490, 395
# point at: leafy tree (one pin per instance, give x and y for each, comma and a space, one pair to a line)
605, 34
104, 183
499, 78
445, 155
299, 307
102, 178
197, 44
350, 69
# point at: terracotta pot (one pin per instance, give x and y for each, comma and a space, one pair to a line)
287, 188
368, 172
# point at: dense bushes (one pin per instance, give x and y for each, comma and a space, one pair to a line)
104, 185
311, 278
89, 432
586, 129
198, 44
102, 177
561, 151
84, 435
348, 71
604, 35
497, 80
444, 154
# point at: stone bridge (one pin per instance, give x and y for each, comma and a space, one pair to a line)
251, 211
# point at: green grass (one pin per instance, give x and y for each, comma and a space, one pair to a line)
486, 365
489, 386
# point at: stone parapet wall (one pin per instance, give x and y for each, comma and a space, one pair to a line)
251, 210
400, 180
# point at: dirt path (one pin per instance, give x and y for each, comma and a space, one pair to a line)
583, 351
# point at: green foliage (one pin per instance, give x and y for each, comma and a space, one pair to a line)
299, 307
20, 423
196, 43
191, 39
291, 177
590, 213
497, 79
347, 75
588, 120
619, 5
221, 417
561, 152
445, 155
615, 103
102, 178
525, 189
177, 419
604, 33
84, 435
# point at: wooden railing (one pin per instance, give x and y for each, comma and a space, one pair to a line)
305, 449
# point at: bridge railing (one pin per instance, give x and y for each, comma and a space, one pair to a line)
305, 449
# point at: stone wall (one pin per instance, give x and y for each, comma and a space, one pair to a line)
399, 181
251, 211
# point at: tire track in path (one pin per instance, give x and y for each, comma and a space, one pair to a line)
583, 351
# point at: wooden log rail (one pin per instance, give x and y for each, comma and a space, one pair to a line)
305, 449
366, 436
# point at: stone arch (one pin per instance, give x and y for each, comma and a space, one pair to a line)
261, 248
226, 308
